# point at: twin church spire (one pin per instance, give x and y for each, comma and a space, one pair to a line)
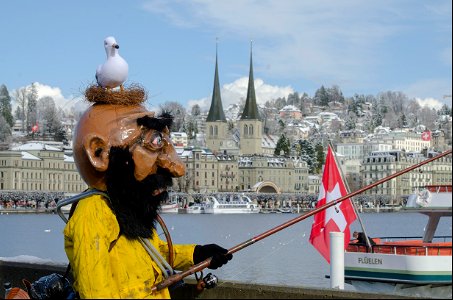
216, 112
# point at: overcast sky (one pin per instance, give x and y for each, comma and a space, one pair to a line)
364, 47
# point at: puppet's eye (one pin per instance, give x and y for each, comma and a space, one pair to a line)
157, 140
153, 140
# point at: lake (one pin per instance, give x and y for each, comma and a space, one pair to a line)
284, 258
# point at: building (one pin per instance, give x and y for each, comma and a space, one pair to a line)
179, 139
39, 167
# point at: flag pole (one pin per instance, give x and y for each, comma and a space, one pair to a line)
204, 264
352, 200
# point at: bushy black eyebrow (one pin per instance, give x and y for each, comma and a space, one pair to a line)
159, 123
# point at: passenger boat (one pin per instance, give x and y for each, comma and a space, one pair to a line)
420, 267
232, 204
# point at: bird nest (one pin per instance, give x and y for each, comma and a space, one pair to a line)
131, 95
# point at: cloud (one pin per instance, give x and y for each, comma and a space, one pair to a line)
326, 42
430, 103
65, 103
236, 91
353, 44
434, 89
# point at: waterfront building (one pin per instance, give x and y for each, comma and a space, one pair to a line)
314, 182
39, 167
275, 171
380, 164
442, 171
207, 172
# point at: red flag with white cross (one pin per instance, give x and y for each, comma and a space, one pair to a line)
426, 136
336, 218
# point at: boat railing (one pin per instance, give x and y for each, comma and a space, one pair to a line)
410, 247
439, 238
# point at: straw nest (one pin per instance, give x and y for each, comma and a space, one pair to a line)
131, 95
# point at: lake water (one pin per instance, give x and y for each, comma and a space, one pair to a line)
284, 258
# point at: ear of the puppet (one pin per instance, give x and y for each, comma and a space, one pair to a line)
97, 151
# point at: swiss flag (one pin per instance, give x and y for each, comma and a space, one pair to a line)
426, 136
336, 218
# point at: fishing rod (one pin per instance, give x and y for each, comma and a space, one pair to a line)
204, 264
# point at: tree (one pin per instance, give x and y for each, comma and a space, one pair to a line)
196, 110
320, 157
61, 136
307, 154
20, 96
47, 115
5, 130
304, 100
178, 112
32, 101
321, 97
444, 110
283, 144
293, 99
335, 94
402, 121
5, 106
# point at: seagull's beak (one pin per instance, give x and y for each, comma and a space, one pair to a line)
115, 46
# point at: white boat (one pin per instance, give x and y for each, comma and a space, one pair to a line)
169, 208
413, 267
233, 204
195, 208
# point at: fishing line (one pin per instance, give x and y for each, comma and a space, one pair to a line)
274, 251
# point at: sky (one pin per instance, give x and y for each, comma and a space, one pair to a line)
363, 46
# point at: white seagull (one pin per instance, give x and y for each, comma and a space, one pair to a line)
113, 72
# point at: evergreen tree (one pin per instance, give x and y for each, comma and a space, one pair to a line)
61, 136
5, 130
321, 97
445, 110
335, 94
283, 144
5, 106
320, 157
293, 99
307, 154
32, 102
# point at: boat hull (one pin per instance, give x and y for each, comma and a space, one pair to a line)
412, 269
232, 210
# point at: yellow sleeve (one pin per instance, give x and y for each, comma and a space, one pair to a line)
182, 253
88, 236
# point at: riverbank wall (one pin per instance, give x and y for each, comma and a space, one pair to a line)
14, 272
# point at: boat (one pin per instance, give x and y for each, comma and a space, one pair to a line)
232, 204
408, 266
169, 208
195, 208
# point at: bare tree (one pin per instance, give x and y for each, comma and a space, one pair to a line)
178, 112
20, 96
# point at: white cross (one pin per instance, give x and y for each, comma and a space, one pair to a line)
334, 212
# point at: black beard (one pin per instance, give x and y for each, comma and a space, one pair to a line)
132, 201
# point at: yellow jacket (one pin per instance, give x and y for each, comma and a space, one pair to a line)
127, 270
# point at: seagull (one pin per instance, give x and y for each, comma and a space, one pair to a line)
113, 72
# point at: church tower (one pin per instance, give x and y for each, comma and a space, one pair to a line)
250, 125
216, 124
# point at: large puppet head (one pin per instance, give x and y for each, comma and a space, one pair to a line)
126, 150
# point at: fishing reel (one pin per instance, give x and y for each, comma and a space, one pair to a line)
208, 282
